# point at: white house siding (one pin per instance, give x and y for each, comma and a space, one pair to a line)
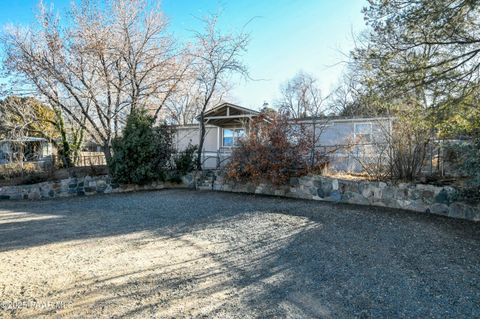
351, 149
186, 135
333, 134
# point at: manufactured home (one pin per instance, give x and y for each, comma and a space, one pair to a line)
26, 149
349, 142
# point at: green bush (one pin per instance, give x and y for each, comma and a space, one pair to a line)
185, 161
467, 161
143, 153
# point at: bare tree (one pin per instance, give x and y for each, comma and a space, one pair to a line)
183, 107
301, 97
180, 85
105, 59
216, 59
303, 102
348, 98
185, 104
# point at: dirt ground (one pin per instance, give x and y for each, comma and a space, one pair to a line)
179, 253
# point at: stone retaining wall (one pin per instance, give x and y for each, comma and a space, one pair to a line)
415, 197
420, 198
75, 187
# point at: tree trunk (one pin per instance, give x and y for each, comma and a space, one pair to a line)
66, 153
107, 151
201, 142
66, 149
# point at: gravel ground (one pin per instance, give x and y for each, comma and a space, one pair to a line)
179, 253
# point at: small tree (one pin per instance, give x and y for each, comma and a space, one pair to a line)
408, 144
272, 152
217, 57
399, 148
143, 153
185, 162
302, 100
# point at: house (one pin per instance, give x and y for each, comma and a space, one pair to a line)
351, 143
348, 142
26, 149
224, 125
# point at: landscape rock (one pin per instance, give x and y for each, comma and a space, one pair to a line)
444, 196
418, 198
439, 209
354, 198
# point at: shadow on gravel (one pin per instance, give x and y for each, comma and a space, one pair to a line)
29, 223
321, 260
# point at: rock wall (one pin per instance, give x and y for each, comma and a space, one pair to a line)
75, 187
415, 197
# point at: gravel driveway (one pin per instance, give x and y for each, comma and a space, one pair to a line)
179, 253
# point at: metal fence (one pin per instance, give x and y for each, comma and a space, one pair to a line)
82, 160
351, 158
92, 159
354, 158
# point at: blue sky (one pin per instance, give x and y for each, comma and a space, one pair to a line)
286, 36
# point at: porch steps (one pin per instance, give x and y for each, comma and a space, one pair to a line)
206, 181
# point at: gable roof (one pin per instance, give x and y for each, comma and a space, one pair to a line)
221, 110
228, 114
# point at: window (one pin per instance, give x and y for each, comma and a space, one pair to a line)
231, 136
227, 137
363, 133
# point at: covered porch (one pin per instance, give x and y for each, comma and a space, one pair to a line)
232, 123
